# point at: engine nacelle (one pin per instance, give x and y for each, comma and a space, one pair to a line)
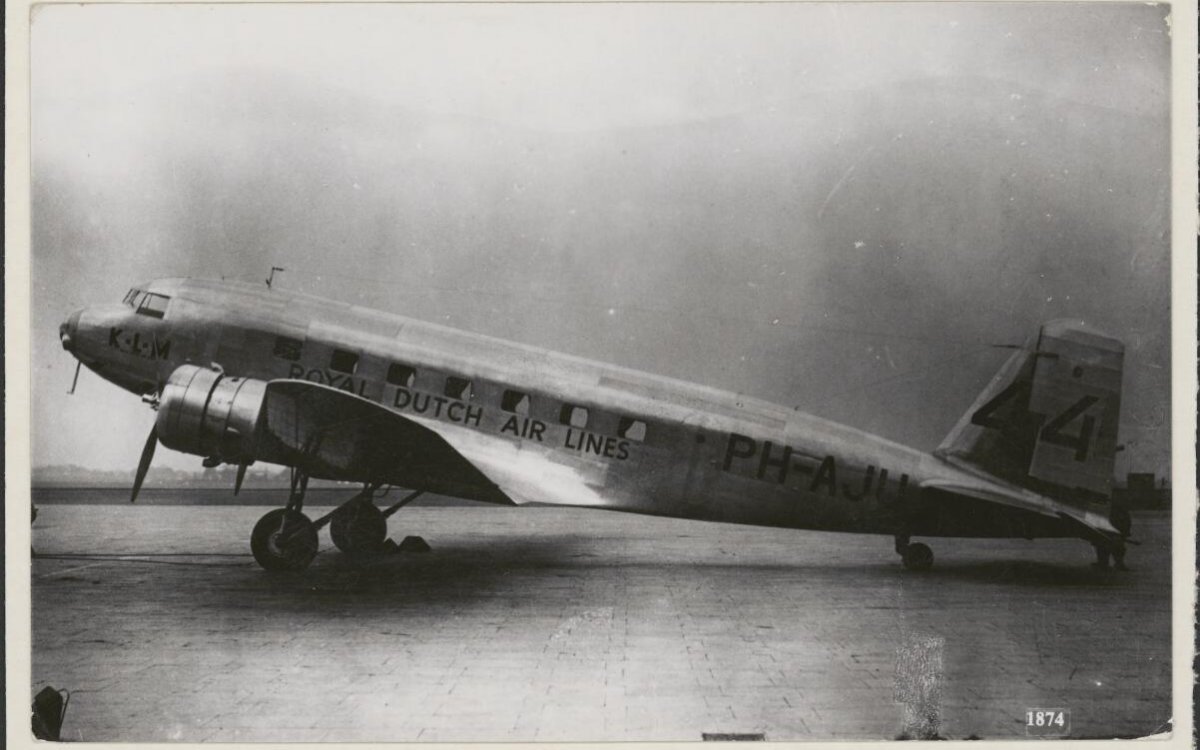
207, 413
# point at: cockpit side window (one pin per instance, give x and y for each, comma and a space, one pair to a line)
154, 305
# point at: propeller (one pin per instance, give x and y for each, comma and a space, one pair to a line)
144, 462
241, 475
75, 380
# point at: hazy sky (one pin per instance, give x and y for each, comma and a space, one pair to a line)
836, 207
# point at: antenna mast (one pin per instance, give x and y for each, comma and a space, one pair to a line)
271, 278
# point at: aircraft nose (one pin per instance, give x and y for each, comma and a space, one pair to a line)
68, 330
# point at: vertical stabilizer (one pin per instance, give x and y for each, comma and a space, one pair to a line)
1048, 420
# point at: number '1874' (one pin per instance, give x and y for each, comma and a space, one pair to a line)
1047, 721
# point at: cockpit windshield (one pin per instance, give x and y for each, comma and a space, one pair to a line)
154, 305
147, 303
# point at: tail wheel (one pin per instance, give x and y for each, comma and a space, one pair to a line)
358, 529
917, 557
284, 540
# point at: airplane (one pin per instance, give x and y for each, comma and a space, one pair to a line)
240, 374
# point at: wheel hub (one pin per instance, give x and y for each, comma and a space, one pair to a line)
274, 545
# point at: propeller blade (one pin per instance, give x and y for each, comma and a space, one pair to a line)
75, 380
144, 462
241, 475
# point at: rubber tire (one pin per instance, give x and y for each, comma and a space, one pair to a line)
301, 541
358, 529
917, 557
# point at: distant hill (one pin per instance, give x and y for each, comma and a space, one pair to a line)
80, 476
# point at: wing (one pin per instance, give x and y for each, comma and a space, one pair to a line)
332, 434
527, 476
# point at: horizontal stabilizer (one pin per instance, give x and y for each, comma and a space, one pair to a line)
1097, 525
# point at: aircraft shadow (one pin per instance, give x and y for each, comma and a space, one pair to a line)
463, 571
1029, 573
455, 572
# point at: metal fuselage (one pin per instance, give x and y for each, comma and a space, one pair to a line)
643, 443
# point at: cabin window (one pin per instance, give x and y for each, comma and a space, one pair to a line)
575, 416
343, 361
632, 429
515, 401
153, 305
401, 375
288, 348
458, 388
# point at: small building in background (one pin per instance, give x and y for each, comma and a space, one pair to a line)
1142, 491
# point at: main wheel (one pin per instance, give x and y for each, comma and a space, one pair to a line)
358, 529
917, 557
284, 540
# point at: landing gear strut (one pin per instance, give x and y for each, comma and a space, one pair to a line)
285, 539
915, 556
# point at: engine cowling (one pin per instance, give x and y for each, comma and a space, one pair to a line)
206, 413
